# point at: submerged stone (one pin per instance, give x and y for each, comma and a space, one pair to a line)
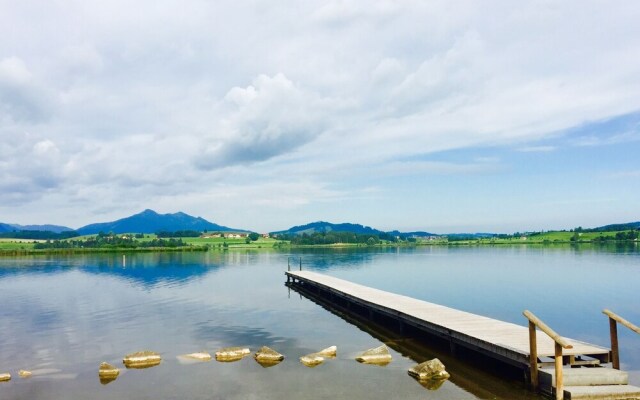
329, 352
24, 374
107, 373
315, 359
312, 360
267, 357
429, 370
199, 356
379, 356
142, 359
229, 354
5, 377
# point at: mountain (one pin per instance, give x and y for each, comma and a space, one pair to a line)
322, 226
150, 221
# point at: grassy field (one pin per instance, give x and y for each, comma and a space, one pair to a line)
235, 243
8, 246
536, 238
16, 244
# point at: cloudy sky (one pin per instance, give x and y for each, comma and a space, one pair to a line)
434, 115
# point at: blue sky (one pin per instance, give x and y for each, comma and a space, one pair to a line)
440, 116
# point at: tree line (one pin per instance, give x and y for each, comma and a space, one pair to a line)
39, 235
333, 237
106, 241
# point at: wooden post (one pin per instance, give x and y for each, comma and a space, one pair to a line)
559, 381
615, 352
288, 263
533, 357
300, 263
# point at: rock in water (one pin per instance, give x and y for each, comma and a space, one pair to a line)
312, 360
200, 356
5, 377
429, 370
24, 374
268, 357
142, 359
315, 359
379, 356
107, 373
232, 353
329, 352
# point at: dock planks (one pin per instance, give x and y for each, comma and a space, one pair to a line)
505, 341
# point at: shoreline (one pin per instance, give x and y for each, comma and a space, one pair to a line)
284, 246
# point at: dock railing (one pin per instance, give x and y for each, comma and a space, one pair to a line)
560, 343
614, 319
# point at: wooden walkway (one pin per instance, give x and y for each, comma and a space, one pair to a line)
501, 340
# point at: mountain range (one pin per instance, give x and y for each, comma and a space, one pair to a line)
149, 221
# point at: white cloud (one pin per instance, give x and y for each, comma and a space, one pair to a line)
20, 97
271, 117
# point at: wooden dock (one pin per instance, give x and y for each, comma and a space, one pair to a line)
504, 341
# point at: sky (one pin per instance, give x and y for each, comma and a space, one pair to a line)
443, 116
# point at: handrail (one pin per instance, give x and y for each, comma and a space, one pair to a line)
550, 332
560, 343
621, 320
614, 319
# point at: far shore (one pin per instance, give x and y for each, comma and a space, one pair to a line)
21, 250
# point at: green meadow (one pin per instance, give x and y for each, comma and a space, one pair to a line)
10, 246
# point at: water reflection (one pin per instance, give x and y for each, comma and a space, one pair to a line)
69, 313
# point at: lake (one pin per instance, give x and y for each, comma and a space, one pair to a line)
61, 316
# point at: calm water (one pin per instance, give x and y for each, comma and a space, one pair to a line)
61, 316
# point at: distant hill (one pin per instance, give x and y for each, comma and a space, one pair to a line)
6, 228
322, 226
615, 227
47, 227
41, 228
418, 234
150, 221
470, 236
